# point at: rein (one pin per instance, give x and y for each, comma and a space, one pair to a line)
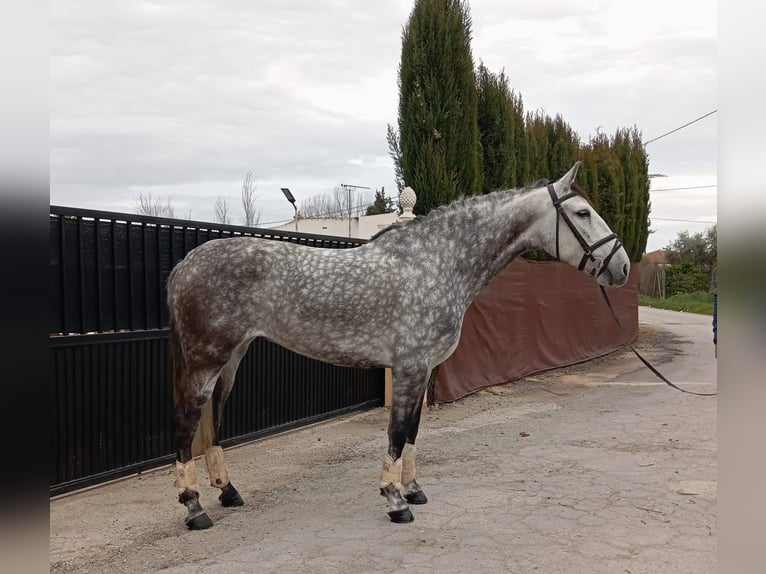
644, 361
588, 254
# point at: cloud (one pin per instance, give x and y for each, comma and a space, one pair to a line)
183, 97
176, 93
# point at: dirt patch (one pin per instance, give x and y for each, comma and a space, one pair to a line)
655, 345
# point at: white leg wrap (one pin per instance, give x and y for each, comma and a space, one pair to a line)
216, 467
392, 472
408, 463
186, 476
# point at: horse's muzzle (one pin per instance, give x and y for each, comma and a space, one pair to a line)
616, 273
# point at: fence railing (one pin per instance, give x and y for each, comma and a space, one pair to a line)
110, 390
108, 270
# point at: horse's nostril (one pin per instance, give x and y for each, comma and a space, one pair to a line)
625, 269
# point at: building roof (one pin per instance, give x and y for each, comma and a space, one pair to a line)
657, 257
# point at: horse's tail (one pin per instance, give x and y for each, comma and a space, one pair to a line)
203, 438
177, 361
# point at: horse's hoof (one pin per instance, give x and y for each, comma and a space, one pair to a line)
230, 497
199, 522
401, 516
416, 497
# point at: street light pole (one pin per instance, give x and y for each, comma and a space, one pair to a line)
289, 196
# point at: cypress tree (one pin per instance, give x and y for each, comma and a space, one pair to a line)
519, 139
622, 151
564, 147
610, 183
537, 145
552, 146
643, 204
615, 172
588, 175
496, 130
382, 204
437, 150
465, 132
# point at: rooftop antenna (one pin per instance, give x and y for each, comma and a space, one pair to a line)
348, 188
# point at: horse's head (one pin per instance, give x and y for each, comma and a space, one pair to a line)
580, 237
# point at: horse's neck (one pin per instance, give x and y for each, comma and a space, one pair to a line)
480, 238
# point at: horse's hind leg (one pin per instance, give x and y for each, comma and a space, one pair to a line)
406, 404
191, 401
214, 460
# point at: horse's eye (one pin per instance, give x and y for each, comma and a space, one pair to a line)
583, 213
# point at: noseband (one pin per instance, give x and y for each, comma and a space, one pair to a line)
587, 249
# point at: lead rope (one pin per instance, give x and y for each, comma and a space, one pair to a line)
644, 361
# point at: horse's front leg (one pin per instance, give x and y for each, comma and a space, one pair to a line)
406, 404
411, 490
214, 459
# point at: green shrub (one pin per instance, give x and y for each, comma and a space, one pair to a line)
684, 278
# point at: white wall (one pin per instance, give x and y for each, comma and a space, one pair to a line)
361, 227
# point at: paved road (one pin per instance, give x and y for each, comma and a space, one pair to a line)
697, 365
616, 474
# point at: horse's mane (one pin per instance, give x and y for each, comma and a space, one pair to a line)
459, 203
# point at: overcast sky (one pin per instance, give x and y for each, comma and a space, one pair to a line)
182, 98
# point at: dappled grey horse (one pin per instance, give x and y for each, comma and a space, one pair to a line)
337, 305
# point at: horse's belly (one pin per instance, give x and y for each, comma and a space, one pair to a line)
346, 353
448, 352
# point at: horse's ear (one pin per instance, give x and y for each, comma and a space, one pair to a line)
565, 183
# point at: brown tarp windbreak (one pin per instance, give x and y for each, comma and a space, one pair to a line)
535, 316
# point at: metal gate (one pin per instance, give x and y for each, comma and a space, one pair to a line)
111, 395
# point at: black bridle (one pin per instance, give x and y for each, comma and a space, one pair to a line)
587, 249
588, 254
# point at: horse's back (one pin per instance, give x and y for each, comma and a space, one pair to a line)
331, 304
243, 277
222, 264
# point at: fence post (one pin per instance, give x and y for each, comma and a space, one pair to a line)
389, 387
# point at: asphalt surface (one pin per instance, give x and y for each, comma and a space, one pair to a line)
594, 468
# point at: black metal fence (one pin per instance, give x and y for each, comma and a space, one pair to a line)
111, 397
108, 270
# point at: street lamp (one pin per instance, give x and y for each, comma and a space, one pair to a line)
291, 199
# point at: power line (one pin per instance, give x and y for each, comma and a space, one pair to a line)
682, 188
680, 128
682, 220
